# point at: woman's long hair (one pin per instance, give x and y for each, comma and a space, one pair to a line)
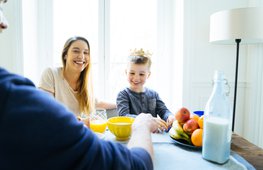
85, 95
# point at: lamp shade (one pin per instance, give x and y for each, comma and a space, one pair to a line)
240, 23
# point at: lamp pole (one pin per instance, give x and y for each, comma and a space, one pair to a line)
235, 90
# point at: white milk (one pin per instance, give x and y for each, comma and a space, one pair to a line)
216, 139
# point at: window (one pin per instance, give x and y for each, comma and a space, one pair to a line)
129, 26
132, 25
113, 27
74, 19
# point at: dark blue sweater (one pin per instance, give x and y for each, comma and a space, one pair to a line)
36, 132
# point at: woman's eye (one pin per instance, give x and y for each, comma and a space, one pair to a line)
142, 74
132, 73
75, 51
86, 53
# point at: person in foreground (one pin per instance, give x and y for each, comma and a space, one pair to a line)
72, 83
37, 132
136, 98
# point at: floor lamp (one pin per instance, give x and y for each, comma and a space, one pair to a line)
235, 26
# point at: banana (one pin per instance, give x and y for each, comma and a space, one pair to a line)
177, 132
173, 133
176, 125
179, 129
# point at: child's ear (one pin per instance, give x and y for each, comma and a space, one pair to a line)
149, 74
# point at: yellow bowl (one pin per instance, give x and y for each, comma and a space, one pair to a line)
120, 126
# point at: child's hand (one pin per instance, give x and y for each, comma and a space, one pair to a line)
170, 120
156, 125
161, 125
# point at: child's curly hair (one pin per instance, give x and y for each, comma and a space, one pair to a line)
140, 57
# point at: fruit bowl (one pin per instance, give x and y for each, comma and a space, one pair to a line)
186, 144
185, 137
120, 126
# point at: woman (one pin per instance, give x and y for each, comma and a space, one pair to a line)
71, 84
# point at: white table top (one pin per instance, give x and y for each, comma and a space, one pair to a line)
168, 155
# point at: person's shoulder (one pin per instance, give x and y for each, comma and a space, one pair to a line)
55, 72
47, 71
150, 91
18, 89
13, 86
52, 70
11, 78
123, 94
123, 91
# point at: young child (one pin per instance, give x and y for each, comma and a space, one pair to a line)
136, 98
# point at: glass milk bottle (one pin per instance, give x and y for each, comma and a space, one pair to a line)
217, 123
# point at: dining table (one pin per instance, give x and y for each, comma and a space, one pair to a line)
249, 151
169, 154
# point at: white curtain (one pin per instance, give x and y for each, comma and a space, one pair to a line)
167, 77
37, 37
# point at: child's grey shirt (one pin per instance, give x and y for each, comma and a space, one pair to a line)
130, 103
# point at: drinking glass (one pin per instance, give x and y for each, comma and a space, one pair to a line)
98, 120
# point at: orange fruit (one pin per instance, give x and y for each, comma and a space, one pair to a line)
197, 137
194, 116
201, 121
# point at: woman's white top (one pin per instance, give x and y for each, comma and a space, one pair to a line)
52, 80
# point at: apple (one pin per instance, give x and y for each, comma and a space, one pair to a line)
182, 115
190, 126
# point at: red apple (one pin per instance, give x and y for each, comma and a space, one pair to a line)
190, 126
182, 115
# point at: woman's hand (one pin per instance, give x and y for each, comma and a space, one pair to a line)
85, 120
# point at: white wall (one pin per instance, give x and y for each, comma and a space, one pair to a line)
253, 118
202, 58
